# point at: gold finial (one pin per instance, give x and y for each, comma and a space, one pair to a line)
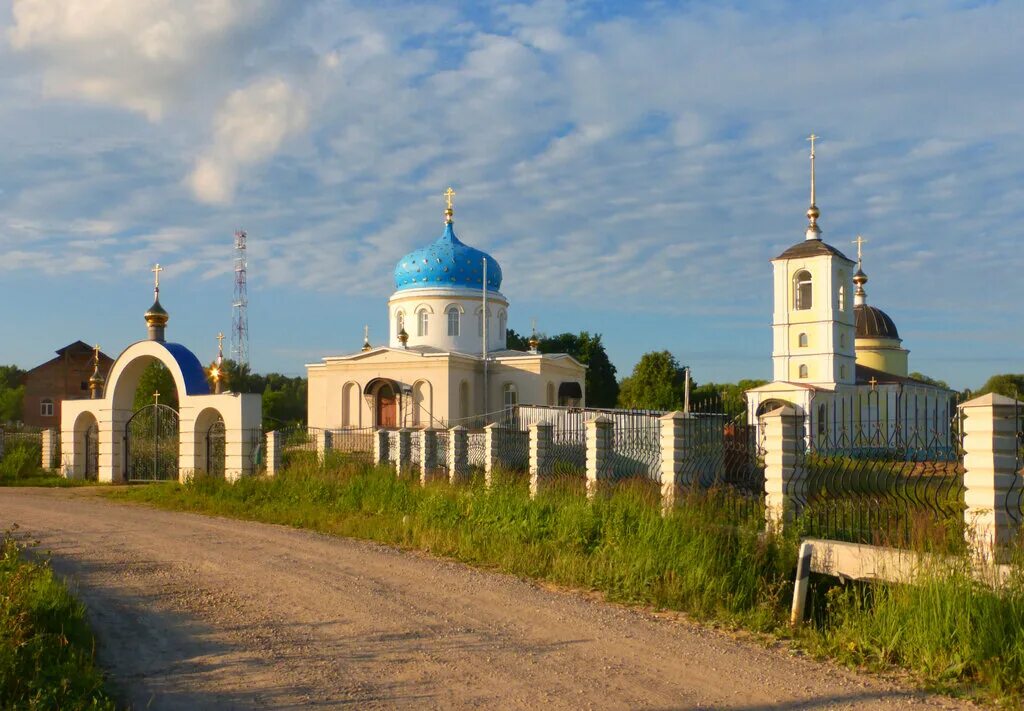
366, 339
220, 348
96, 356
812, 138
95, 380
156, 276
449, 211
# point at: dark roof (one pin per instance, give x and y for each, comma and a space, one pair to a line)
76, 347
864, 375
874, 323
812, 248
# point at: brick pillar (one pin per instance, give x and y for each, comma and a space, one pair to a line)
492, 451
990, 461
381, 455
674, 444
403, 457
428, 455
458, 455
541, 436
49, 449
273, 453
600, 436
785, 477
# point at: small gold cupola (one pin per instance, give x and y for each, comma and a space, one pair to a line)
156, 316
366, 339
95, 380
534, 341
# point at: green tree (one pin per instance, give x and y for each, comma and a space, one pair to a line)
156, 378
601, 383
1008, 384
931, 381
657, 383
12, 393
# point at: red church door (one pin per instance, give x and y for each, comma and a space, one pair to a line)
387, 409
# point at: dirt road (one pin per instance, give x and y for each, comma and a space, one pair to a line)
196, 612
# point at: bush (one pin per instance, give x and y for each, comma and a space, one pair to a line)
20, 460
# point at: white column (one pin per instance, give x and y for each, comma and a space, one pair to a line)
990, 463
600, 438
540, 446
673, 456
49, 449
273, 452
492, 451
785, 478
324, 444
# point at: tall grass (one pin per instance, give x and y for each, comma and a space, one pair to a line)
46, 648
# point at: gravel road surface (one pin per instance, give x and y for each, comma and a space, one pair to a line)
196, 612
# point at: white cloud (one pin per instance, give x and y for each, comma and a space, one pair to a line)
136, 54
249, 128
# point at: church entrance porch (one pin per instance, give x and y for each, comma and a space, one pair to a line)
151, 444
387, 407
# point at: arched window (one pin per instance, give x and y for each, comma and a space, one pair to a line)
802, 290
453, 321
46, 407
510, 395
841, 294
822, 415
422, 320
802, 340
399, 322
502, 318
803, 371
480, 322
842, 371
464, 399
551, 394
842, 340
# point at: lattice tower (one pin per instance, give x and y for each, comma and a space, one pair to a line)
240, 317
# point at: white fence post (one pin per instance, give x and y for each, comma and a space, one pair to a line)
458, 455
324, 444
428, 455
380, 448
673, 455
600, 440
990, 463
49, 448
273, 452
785, 481
540, 446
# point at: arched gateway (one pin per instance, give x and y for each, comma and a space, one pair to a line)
155, 442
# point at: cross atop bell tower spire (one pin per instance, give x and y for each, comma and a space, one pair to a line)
813, 231
449, 211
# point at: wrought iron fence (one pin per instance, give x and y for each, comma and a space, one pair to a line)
636, 450
352, 445
415, 453
513, 448
299, 446
254, 448
724, 457
393, 447
215, 449
1015, 497
443, 439
476, 449
92, 452
886, 481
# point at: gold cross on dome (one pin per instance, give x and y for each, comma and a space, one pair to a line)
96, 354
366, 333
812, 138
448, 195
156, 275
873, 382
156, 397
220, 341
860, 245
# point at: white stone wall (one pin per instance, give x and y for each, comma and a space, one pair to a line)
437, 302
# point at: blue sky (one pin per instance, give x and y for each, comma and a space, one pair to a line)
632, 166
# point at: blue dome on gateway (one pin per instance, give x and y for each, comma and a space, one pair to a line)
447, 262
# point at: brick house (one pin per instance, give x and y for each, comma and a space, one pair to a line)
65, 377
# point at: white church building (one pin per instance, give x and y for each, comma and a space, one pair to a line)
446, 360
840, 362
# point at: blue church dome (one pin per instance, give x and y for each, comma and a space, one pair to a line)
447, 262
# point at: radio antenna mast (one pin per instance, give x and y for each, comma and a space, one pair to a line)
240, 305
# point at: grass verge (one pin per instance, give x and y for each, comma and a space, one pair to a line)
46, 647
706, 559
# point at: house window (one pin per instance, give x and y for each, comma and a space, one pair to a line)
802, 290
46, 407
421, 319
453, 321
802, 340
803, 371
510, 395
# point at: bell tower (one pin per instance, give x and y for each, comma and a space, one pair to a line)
813, 322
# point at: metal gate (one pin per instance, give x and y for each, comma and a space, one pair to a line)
151, 444
92, 453
215, 449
